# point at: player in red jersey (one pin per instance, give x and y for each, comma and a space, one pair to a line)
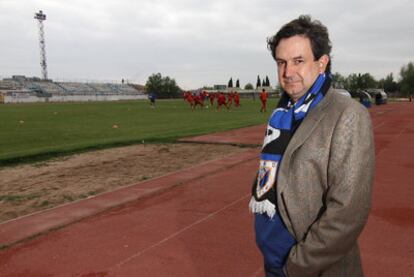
198, 100
263, 99
236, 97
212, 95
221, 100
189, 98
229, 99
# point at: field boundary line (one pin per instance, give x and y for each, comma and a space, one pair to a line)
182, 230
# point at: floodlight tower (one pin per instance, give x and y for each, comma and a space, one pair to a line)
40, 16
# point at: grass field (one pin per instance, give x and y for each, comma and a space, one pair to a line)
31, 132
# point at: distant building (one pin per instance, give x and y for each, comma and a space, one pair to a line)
220, 87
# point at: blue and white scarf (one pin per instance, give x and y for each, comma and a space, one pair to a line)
283, 123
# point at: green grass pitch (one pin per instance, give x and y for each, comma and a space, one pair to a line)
38, 131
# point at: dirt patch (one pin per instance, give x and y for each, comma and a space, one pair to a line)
29, 188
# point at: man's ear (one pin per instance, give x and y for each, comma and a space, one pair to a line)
323, 63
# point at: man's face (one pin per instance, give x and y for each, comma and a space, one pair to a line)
296, 65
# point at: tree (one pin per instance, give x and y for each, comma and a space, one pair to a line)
237, 83
267, 81
248, 86
358, 81
368, 81
230, 84
162, 87
388, 84
351, 82
407, 79
338, 80
258, 83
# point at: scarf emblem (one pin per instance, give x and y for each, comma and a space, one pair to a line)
266, 177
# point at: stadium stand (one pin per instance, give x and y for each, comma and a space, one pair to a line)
124, 88
46, 87
77, 88
32, 89
9, 84
101, 88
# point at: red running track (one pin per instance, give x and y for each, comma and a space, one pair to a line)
387, 242
203, 228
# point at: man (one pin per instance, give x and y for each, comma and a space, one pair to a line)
204, 95
229, 99
221, 100
152, 97
236, 99
312, 195
212, 95
263, 99
188, 96
198, 100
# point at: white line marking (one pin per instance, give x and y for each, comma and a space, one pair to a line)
395, 138
380, 124
179, 232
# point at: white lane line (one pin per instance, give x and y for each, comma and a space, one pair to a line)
380, 124
394, 138
180, 231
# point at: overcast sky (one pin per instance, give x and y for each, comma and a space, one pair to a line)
197, 42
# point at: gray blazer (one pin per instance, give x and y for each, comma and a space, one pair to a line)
324, 188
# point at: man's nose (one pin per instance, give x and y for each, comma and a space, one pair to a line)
289, 71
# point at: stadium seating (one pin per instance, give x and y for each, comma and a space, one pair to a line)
77, 88
124, 88
46, 87
102, 88
19, 86
9, 84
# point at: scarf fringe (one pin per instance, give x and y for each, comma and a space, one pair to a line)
262, 207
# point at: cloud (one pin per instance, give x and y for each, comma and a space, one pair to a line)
196, 42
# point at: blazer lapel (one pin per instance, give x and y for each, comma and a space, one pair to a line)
302, 133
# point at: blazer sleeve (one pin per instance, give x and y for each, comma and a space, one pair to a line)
348, 197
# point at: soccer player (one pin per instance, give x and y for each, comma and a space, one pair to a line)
151, 97
211, 97
221, 100
263, 99
189, 98
198, 100
236, 99
229, 99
